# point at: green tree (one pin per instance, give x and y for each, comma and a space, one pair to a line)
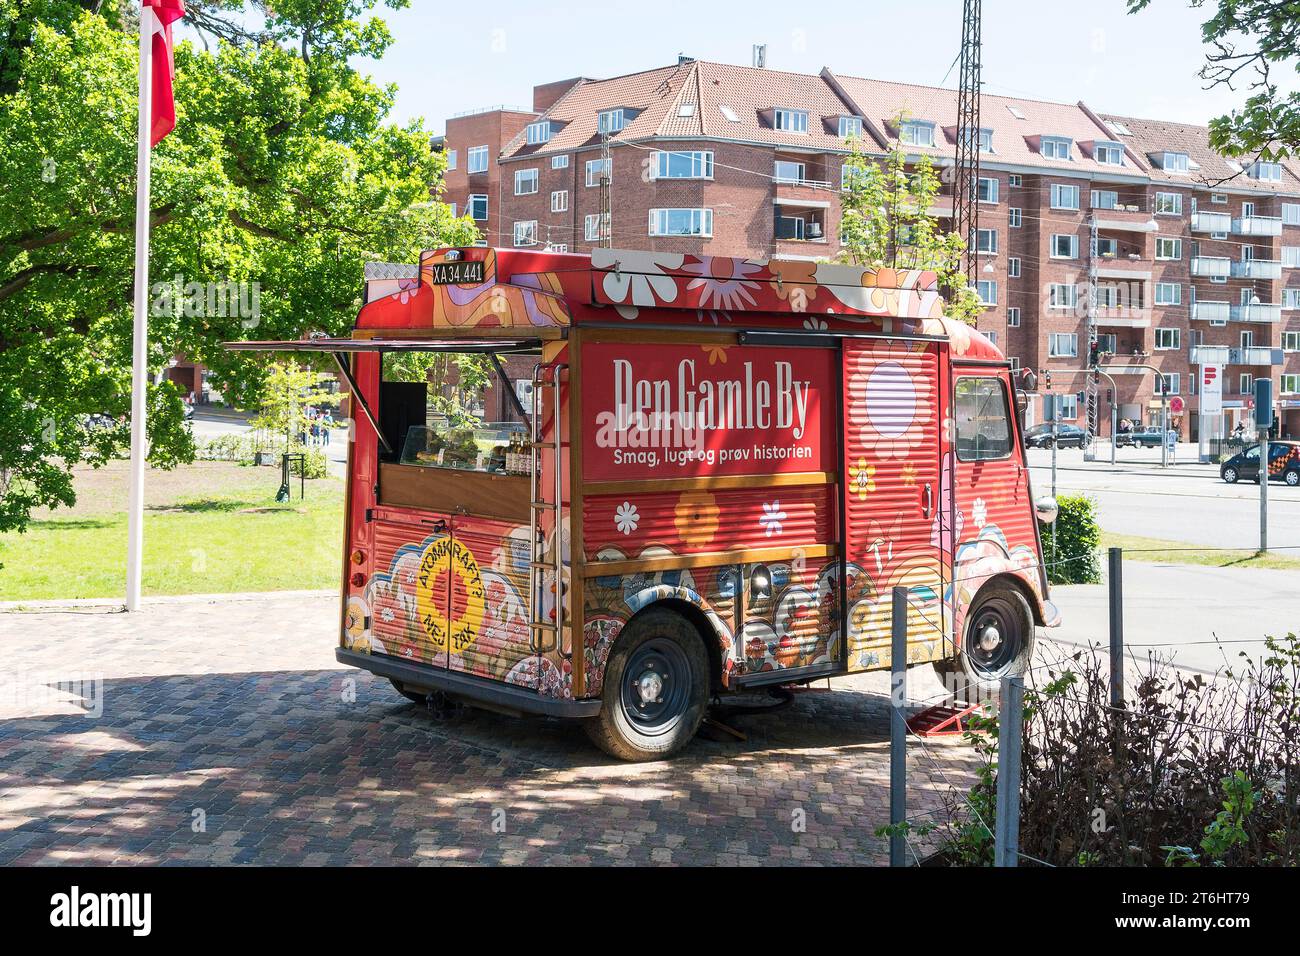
887, 223
1251, 42
282, 178
455, 380
288, 391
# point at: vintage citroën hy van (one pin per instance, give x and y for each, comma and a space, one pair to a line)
716, 472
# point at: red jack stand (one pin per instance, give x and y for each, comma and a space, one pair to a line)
941, 720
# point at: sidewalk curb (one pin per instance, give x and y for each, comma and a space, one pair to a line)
39, 605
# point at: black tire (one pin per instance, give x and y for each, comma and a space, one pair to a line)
420, 697
659, 649
1003, 607
1230, 475
1292, 477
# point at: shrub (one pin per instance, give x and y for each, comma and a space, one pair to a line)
1072, 543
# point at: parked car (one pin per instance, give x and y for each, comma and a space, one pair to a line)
1283, 464
1148, 437
1067, 436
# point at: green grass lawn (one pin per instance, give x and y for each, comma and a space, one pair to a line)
209, 528
1137, 548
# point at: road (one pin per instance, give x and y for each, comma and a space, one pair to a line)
1187, 502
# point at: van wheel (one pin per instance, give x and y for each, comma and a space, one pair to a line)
656, 689
999, 638
1292, 477
1230, 475
420, 697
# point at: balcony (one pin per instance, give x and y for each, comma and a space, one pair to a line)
1125, 220
1259, 312
1211, 222
1257, 269
1132, 267
1225, 355
1257, 226
1211, 311
1211, 267
800, 221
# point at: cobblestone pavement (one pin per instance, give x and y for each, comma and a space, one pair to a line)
225, 734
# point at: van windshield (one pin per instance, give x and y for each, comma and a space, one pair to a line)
983, 419
457, 410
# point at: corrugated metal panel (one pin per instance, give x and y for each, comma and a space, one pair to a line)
409, 596
691, 522
891, 442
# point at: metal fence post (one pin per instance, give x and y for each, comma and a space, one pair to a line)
898, 728
1115, 585
1006, 836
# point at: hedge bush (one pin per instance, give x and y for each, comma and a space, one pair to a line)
1072, 544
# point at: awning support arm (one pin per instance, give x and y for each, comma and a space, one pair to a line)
510, 389
360, 400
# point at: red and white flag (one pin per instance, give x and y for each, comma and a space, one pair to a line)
162, 13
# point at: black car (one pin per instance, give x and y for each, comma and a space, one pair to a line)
1067, 436
1283, 464
1148, 437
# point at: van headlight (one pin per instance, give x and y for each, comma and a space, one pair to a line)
1045, 507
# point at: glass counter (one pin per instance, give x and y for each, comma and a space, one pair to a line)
492, 447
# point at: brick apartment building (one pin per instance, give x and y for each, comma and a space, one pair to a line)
1197, 258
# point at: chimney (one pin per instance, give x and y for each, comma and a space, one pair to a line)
760, 55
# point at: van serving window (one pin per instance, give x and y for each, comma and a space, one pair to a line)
983, 420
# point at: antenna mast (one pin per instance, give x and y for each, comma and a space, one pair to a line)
964, 202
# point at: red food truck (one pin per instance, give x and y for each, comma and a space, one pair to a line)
716, 472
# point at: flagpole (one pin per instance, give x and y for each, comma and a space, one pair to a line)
140, 338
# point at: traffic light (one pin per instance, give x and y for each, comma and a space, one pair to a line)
1094, 354
1047, 379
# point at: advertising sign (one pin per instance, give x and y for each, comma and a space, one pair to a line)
673, 411
1211, 389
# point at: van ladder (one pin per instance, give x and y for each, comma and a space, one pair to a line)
545, 377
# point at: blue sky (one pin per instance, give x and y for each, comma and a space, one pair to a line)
455, 56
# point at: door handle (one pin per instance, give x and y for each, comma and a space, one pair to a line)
929, 501
437, 524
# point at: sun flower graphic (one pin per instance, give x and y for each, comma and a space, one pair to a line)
717, 354
862, 478
909, 474
723, 283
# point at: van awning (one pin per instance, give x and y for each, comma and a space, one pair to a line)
326, 344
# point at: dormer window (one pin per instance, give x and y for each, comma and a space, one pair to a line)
850, 126
986, 140
539, 132
1174, 162
1056, 147
610, 121
916, 133
790, 121
1262, 170
1109, 154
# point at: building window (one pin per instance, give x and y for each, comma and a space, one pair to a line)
787, 171
525, 182
1062, 295
560, 162
1065, 197
1168, 338
991, 335
1169, 204
1104, 199
1265, 171
791, 121
596, 168
1291, 341
1013, 317
1291, 298
1290, 214
1063, 344
1245, 382
916, 133
595, 227
1107, 247
1174, 162
451, 159
478, 159
1219, 199
478, 207
1056, 147
850, 126
1290, 384
1109, 154
986, 190
610, 121
1014, 218
539, 132
1291, 257
1167, 248
452, 207
1106, 343
1069, 406
526, 233
1065, 246
696, 164
986, 240
987, 290
1169, 384
986, 141
1013, 180
1169, 293
681, 222
560, 200
1013, 268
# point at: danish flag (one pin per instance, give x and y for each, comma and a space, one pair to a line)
162, 14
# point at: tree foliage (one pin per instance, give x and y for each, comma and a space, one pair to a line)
283, 175
887, 223
289, 391
1250, 43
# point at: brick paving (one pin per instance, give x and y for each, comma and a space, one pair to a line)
226, 733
